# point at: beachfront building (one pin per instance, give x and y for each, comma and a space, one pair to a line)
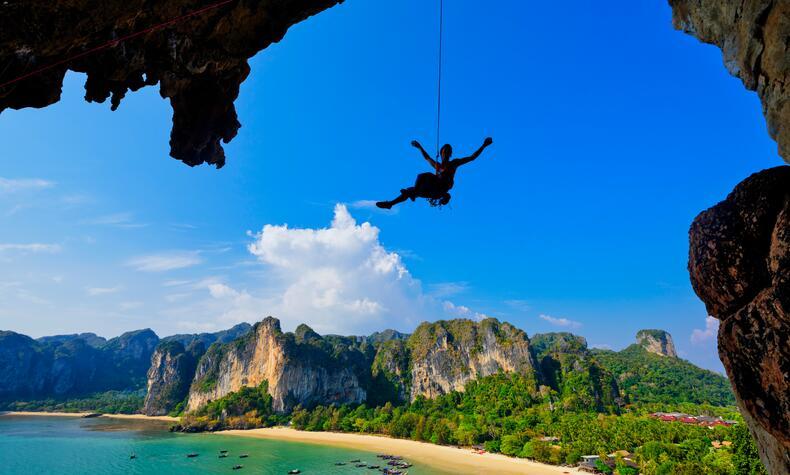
706, 421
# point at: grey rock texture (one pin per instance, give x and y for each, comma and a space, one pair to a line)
754, 37
657, 341
296, 372
739, 261
445, 355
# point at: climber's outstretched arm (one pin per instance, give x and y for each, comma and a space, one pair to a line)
425, 155
462, 161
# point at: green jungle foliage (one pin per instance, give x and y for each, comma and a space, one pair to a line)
647, 377
500, 413
111, 402
243, 409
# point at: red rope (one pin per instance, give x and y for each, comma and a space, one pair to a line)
115, 42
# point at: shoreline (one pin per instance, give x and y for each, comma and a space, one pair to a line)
452, 459
141, 417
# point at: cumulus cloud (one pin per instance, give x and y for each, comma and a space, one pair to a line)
337, 279
560, 322
8, 185
699, 336
164, 262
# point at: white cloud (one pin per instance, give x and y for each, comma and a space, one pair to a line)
518, 304
165, 261
176, 283
461, 311
130, 305
363, 204
76, 199
8, 185
118, 220
560, 322
30, 248
340, 278
171, 298
711, 330
446, 289
96, 291
337, 279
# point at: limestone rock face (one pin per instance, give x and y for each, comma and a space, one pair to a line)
739, 261
445, 355
754, 36
296, 372
198, 57
657, 341
170, 375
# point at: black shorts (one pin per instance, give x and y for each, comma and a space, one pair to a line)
428, 185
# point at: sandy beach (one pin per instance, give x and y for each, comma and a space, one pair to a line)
81, 414
452, 459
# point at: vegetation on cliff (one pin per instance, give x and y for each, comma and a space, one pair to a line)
646, 377
246, 408
110, 402
500, 413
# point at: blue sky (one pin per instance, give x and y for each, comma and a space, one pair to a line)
611, 132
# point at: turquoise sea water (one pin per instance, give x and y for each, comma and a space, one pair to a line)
65, 445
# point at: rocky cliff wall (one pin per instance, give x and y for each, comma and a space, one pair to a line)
296, 373
657, 341
753, 37
739, 260
445, 355
737, 248
170, 375
198, 56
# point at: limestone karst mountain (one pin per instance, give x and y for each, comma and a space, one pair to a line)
185, 372
657, 341
72, 365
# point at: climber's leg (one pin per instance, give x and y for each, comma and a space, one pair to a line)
405, 194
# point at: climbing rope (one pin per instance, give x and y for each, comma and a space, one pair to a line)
116, 41
439, 83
